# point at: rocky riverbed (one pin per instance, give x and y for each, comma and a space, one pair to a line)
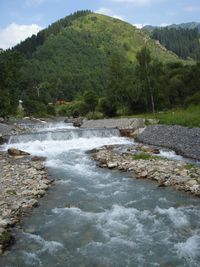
23, 181
145, 163
184, 140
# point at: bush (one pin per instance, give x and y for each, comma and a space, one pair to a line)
107, 107
94, 115
193, 100
36, 108
74, 109
51, 110
90, 99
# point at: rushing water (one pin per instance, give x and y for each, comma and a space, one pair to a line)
99, 218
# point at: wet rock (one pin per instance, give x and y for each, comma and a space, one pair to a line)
2, 120
36, 158
17, 152
6, 239
112, 165
166, 172
142, 175
192, 183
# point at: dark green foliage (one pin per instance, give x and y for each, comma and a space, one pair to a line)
193, 100
51, 110
36, 108
5, 106
10, 79
90, 98
30, 45
74, 109
107, 106
184, 42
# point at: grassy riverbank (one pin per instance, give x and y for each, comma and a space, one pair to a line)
186, 117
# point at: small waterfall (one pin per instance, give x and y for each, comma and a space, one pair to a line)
67, 134
46, 126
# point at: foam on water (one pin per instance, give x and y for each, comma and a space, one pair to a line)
31, 259
170, 155
51, 148
46, 246
176, 216
189, 250
46, 126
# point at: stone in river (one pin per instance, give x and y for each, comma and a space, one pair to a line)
17, 152
36, 158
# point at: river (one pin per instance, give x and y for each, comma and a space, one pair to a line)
94, 217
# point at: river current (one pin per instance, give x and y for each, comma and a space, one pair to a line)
94, 217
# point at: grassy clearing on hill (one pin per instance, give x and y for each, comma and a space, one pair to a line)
185, 117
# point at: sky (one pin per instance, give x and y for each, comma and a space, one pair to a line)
20, 19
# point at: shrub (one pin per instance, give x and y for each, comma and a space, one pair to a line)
74, 109
193, 100
94, 115
34, 107
107, 107
51, 110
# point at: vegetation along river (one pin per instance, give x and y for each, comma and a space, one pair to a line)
94, 217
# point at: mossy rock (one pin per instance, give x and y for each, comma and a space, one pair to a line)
6, 238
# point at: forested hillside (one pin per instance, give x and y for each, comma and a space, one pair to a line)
184, 42
98, 62
182, 39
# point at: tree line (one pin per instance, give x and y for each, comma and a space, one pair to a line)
184, 42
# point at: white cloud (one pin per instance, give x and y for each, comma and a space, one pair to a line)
136, 2
138, 25
15, 33
192, 8
108, 12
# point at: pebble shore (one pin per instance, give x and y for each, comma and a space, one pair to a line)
184, 140
182, 176
23, 181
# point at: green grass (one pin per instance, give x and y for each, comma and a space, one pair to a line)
144, 156
190, 166
122, 32
189, 117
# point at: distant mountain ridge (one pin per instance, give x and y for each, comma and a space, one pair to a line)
187, 25
182, 39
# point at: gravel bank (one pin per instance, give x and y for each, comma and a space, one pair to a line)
182, 176
23, 181
185, 141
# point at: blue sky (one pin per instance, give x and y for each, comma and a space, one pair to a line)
22, 18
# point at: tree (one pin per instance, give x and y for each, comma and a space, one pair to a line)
144, 73
5, 106
90, 98
107, 107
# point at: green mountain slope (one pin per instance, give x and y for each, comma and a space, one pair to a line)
184, 42
75, 54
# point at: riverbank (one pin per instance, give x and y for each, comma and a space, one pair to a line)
23, 181
184, 140
144, 162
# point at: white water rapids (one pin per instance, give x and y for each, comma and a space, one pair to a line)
94, 217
